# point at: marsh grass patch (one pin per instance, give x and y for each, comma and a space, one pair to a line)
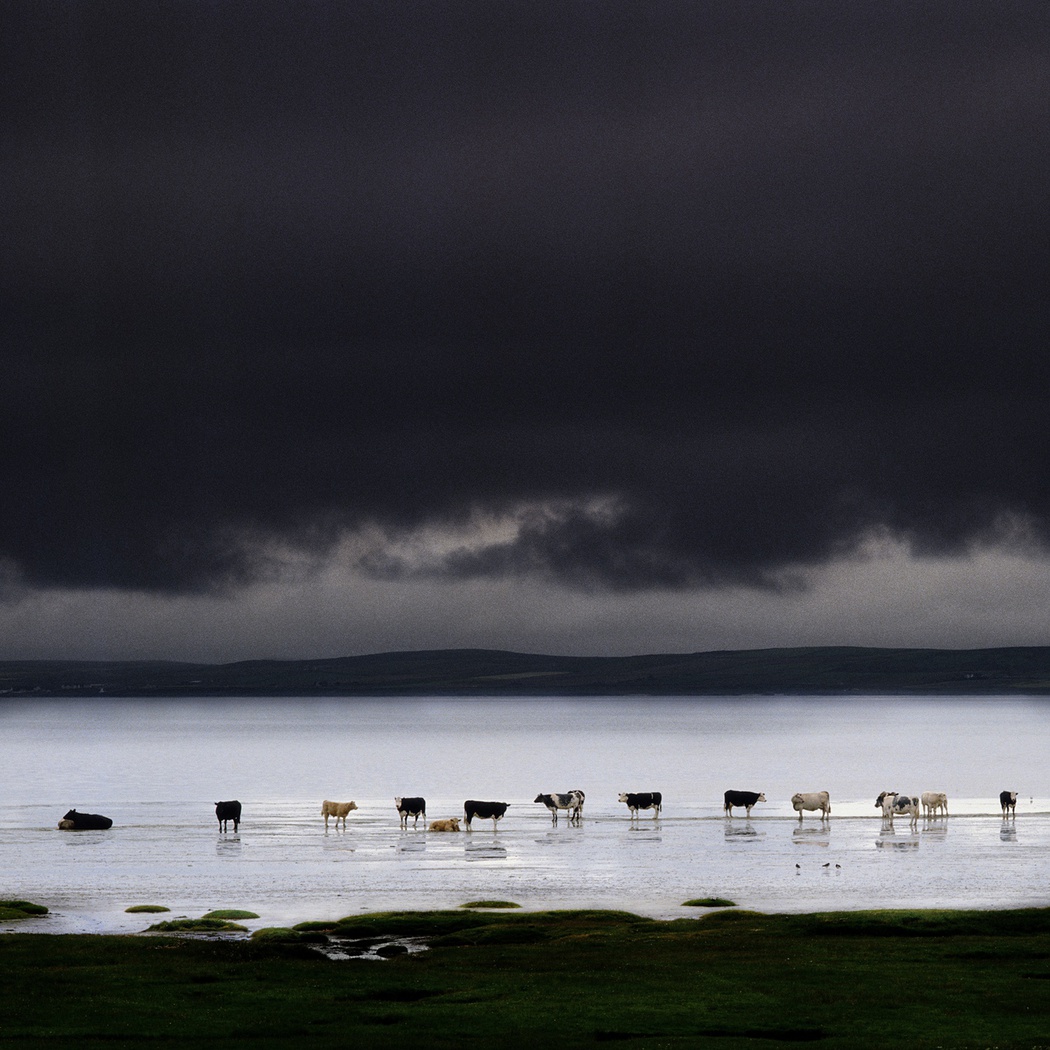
151, 908
197, 926
709, 902
20, 910
490, 904
230, 913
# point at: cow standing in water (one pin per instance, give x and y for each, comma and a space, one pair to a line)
1008, 802
413, 806
339, 810
637, 800
811, 801
472, 808
571, 801
742, 798
226, 811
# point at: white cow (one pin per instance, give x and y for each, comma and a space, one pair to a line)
933, 802
892, 803
339, 810
812, 800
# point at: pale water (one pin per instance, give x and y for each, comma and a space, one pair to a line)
157, 768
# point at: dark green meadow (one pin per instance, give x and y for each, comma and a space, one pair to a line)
562, 979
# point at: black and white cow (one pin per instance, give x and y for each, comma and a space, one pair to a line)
637, 800
894, 804
571, 800
742, 798
74, 821
1008, 802
472, 808
226, 811
411, 807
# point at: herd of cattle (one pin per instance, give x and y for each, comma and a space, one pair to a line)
892, 803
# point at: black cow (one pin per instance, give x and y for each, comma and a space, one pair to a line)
742, 798
571, 800
74, 821
411, 807
1008, 800
643, 800
225, 811
473, 808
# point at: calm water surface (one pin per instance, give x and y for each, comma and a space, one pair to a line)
157, 768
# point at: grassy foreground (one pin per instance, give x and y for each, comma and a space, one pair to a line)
558, 979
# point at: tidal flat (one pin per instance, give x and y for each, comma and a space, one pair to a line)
729, 979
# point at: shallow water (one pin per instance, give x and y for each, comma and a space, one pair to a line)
157, 768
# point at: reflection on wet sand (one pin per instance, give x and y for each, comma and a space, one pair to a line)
815, 836
744, 831
228, 846
935, 829
890, 839
479, 851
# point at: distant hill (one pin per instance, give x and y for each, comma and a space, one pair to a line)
832, 671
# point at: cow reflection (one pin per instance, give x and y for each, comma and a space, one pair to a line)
889, 839
818, 835
745, 831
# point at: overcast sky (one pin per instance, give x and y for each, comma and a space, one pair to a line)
574, 327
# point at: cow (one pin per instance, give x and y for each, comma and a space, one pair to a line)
411, 807
1008, 801
637, 800
452, 824
742, 798
339, 810
894, 804
933, 802
812, 800
225, 811
472, 808
74, 821
571, 800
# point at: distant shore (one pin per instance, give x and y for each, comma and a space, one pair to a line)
817, 671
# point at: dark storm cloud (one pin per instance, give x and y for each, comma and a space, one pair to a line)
694, 294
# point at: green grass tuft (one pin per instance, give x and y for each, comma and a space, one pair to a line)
20, 910
230, 913
490, 904
146, 908
709, 902
197, 926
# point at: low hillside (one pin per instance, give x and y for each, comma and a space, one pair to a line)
484, 672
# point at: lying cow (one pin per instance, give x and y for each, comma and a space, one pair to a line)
571, 801
637, 800
339, 810
226, 811
1008, 802
472, 808
812, 801
452, 824
933, 802
74, 821
411, 807
742, 798
894, 804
